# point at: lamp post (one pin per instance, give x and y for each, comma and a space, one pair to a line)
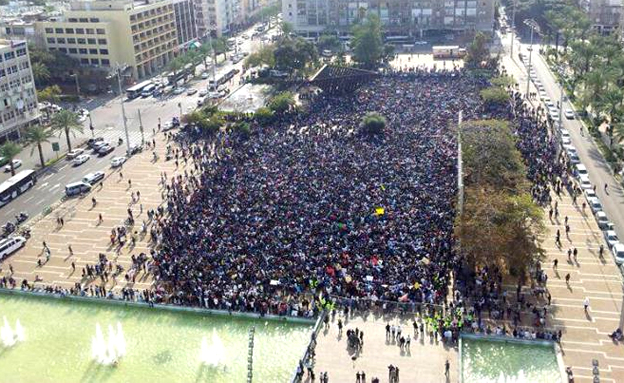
75, 76
118, 70
534, 27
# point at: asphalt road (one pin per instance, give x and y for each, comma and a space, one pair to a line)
108, 123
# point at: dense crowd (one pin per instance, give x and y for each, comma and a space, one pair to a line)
309, 205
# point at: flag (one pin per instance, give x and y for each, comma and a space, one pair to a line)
383, 188
380, 211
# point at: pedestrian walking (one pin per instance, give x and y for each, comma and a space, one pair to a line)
555, 263
586, 304
447, 368
567, 279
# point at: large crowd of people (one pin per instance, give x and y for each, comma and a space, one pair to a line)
308, 205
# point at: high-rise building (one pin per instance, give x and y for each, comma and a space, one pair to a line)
604, 15
18, 98
216, 17
398, 17
141, 35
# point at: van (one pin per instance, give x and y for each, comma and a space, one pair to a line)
148, 90
77, 188
93, 178
580, 170
618, 253
10, 245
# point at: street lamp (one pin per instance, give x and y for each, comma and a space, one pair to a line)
118, 69
534, 27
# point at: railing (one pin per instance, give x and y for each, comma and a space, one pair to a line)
310, 346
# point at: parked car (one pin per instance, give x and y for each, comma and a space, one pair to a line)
117, 161
594, 204
590, 192
77, 188
74, 153
618, 253
178, 90
97, 145
191, 91
585, 183
134, 149
92, 141
81, 159
204, 75
569, 114
93, 178
105, 149
203, 92
16, 164
602, 219
611, 238
580, 170
564, 132
574, 158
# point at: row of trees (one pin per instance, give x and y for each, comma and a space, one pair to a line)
50, 67
593, 68
200, 54
500, 224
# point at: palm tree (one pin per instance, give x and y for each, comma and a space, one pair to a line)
40, 73
37, 135
175, 65
67, 122
610, 102
10, 150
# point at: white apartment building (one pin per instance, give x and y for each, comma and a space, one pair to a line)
18, 97
217, 17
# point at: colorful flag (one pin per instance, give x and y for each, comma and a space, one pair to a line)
380, 211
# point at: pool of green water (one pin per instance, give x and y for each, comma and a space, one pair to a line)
485, 361
161, 345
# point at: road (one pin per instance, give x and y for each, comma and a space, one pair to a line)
599, 172
108, 123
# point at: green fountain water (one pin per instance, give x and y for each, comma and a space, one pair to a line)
486, 361
159, 345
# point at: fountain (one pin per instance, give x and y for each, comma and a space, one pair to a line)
212, 355
108, 351
10, 337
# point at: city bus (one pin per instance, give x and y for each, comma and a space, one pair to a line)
135, 91
448, 51
16, 185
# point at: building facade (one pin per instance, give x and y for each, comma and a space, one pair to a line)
143, 36
18, 98
605, 15
398, 17
216, 17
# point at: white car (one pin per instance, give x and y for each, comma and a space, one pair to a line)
594, 204
574, 158
564, 132
16, 164
566, 140
602, 219
74, 153
569, 114
585, 183
611, 238
618, 253
590, 193
179, 90
191, 91
81, 159
117, 161
549, 104
204, 75
200, 101
203, 92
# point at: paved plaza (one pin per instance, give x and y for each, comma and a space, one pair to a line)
87, 237
423, 361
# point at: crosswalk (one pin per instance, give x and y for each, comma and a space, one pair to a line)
112, 135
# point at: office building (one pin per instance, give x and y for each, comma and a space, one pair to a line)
18, 98
143, 36
398, 17
216, 17
604, 15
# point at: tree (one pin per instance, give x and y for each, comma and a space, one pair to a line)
37, 135
494, 95
264, 56
367, 42
503, 81
477, 52
220, 46
295, 54
176, 65
41, 74
610, 102
264, 116
329, 42
67, 122
49, 94
372, 124
9, 150
282, 102
286, 29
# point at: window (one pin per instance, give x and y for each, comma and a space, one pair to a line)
84, 61
91, 41
82, 41
9, 55
95, 62
93, 51
21, 52
84, 20
102, 41
69, 31
60, 40
64, 50
73, 20
80, 31
103, 51
105, 62
100, 31
82, 51
51, 40
71, 40
58, 30
73, 50
94, 20
49, 30
90, 31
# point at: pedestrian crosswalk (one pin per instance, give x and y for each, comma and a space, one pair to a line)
112, 135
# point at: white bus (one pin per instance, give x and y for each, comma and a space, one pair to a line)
448, 51
16, 185
135, 91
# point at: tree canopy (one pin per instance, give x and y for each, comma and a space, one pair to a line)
477, 52
367, 42
372, 124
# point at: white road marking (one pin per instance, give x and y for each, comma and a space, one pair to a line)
63, 167
55, 186
48, 176
43, 185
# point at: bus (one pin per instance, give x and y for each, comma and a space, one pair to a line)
148, 90
135, 91
448, 51
213, 85
16, 185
